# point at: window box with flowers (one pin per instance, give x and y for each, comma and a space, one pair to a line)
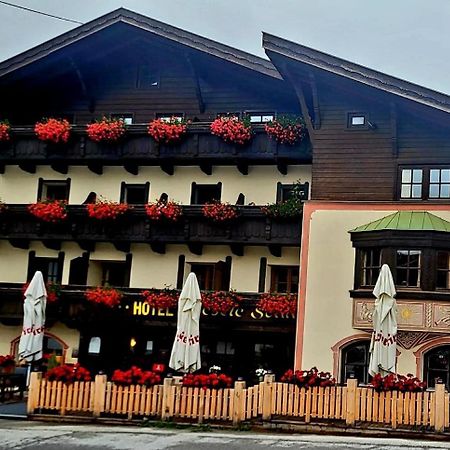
289, 209
135, 376
106, 210
308, 378
232, 130
220, 302
396, 382
167, 131
165, 299
219, 212
49, 211
286, 130
5, 131
53, 131
104, 296
170, 211
278, 305
210, 381
106, 130
68, 373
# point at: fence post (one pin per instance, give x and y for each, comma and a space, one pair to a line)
352, 391
99, 395
439, 407
267, 389
239, 402
166, 399
33, 391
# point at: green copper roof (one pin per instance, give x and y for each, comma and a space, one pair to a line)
407, 221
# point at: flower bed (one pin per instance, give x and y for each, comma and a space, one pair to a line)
164, 210
219, 212
232, 130
308, 378
53, 291
106, 130
163, 299
396, 382
135, 375
106, 210
5, 132
68, 373
220, 301
49, 211
286, 130
278, 304
104, 296
210, 381
53, 130
167, 131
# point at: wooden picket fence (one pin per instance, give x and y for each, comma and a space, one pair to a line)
350, 404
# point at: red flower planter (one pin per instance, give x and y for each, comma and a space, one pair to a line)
286, 130
5, 131
106, 130
163, 299
220, 301
50, 211
104, 296
211, 381
68, 373
167, 131
219, 212
278, 304
308, 378
53, 130
135, 375
164, 210
396, 382
232, 130
103, 210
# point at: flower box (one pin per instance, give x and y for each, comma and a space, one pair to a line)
49, 211
106, 130
134, 376
286, 130
164, 210
308, 378
220, 301
53, 131
232, 130
219, 212
396, 382
104, 296
5, 132
68, 373
105, 210
166, 298
167, 131
210, 381
278, 304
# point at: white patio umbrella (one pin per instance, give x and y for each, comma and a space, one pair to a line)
32, 338
185, 356
383, 347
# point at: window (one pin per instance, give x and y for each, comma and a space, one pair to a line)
260, 117
284, 279
356, 120
437, 366
53, 190
370, 266
115, 273
439, 183
297, 190
135, 194
126, 117
147, 77
212, 276
49, 268
204, 193
408, 268
443, 270
224, 348
411, 186
355, 362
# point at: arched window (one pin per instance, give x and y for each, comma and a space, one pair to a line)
52, 345
437, 365
355, 361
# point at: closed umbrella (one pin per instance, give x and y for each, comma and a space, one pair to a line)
383, 347
185, 356
32, 338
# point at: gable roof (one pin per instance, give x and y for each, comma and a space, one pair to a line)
145, 23
356, 72
407, 221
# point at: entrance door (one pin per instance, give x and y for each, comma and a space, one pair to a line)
437, 365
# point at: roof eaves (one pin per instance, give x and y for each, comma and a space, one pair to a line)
356, 72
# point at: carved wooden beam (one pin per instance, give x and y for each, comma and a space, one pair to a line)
131, 168
198, 91
96, 168
60, 166
167, 167
315, 98
275, 250
237, 249
242, 166
24, 244
206, 168
394, 127
122, 246
158, 247
88, 246
282, 167
28, 167
195, 248
52, 244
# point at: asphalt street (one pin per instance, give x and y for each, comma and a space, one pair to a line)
34, 435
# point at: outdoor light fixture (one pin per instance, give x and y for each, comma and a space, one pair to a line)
132, 342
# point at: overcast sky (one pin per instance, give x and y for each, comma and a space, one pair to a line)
405, 38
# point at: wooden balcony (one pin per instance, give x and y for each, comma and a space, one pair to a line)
139, 149
252, 227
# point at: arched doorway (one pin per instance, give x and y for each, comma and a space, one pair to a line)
51, 345
436, 365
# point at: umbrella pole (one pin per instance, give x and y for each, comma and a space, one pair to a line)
28, 374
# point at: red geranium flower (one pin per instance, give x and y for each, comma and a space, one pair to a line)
104, 296
166, 298
49, 211
104, 209
5, 130
232, 130
53, 130
106, 130
220, 301
168, 210
397, 382
308, 378
167, 131
68, 373
7, 360
53, 291
219, 212
135, 375
286, 130
278, 304
210, 381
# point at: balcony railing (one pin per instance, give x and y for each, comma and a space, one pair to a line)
138, 148
252, 227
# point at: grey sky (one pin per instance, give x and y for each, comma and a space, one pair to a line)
405, 38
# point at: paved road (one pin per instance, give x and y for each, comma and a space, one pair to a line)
33, 435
